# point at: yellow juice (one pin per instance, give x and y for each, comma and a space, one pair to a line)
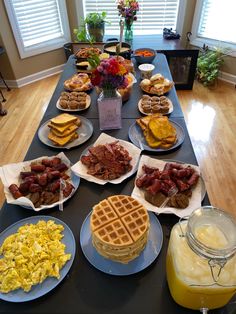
188, 274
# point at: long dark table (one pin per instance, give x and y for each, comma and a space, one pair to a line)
85, 289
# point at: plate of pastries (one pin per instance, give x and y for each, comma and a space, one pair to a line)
85, 53
79, 82
156, 85
149, 105
120, 237
65, 131
73, 101
156, 133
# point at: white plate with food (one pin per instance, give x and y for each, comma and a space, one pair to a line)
73, 106
79, 82
149, 105
39, 289
83, 132
156, 85
121, 162
147, 256
186, 177
30, 185
137, 138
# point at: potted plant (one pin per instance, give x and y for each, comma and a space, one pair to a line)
95, 23
209, 63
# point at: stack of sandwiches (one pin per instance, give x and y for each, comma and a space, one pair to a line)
63, 129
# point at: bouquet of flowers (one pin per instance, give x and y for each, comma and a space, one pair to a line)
110, 74
128, 9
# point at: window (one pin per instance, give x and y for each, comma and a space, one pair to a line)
153, 15
38, 25
213, 24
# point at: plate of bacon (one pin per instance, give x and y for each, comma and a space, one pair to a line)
157, 180
108, 160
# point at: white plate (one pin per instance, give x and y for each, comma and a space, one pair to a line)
88, 103
49, 283
10, 174
81, 170
137, 138
84, 132
148, 114
146, 258
198, 192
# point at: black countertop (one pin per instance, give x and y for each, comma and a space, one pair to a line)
85, 289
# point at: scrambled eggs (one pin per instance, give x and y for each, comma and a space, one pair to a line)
31, 255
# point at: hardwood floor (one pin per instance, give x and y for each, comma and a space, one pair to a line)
211, 120
210, 117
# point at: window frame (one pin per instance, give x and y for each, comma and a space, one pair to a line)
211, 43
179, 22
42, 47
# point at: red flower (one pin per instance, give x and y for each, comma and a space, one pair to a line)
113, 67
96, 78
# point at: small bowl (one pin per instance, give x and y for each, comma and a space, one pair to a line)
142, 58
146, 70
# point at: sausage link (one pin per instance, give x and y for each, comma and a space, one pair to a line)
37, 167
13, 188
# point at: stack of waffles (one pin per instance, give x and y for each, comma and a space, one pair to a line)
119, 227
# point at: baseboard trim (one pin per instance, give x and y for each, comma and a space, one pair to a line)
227, 77
33, 77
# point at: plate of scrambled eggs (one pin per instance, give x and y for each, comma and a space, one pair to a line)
36, 253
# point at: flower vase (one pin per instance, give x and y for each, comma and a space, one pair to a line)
129, 30
109, 109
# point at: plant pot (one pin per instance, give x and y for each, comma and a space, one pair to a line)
68, 50
96, 32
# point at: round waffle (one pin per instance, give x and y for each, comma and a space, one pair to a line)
119, 227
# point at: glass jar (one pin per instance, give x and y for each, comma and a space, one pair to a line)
128, 30
109, 109
201, 260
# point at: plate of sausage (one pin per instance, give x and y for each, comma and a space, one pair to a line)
41, 183
157, 179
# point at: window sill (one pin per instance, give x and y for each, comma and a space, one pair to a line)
199, 42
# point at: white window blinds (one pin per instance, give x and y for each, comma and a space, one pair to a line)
153, 15
38, 20
217, 20
38, 23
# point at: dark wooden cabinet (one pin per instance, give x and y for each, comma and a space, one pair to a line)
182, 64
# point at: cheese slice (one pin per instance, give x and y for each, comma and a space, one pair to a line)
63, 119
57, 130
61, 141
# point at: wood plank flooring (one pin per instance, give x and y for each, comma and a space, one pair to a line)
210, 117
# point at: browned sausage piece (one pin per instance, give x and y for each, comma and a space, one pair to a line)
37, 167
68, 189
34, 187
54, 186
13, 188
193, 179
61, 167
24, 187
46, 162
43, 179
25, 174
55, 161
